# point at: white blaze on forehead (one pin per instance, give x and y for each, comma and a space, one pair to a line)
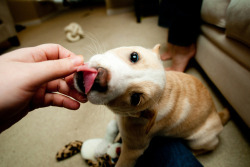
123, 75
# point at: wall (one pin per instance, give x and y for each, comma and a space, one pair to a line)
119, 6
27, 10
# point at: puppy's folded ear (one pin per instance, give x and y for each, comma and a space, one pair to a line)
156, 49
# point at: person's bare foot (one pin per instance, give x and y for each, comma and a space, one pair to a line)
180, 56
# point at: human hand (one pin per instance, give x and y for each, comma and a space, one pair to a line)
29, 78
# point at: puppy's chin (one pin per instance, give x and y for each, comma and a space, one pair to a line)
95, 97
122, 112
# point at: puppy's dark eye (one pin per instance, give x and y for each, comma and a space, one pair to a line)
134, 57
135, 99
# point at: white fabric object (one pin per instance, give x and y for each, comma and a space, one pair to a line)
112, 150
111, 133
94, 148
74, 32
89, 148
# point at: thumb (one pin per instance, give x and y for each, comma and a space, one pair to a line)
46, 71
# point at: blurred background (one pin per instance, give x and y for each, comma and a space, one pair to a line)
16, 15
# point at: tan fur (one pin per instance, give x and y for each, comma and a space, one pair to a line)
178, 87
179, 106
122, 103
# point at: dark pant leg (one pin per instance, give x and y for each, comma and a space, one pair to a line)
182, 17
166, 152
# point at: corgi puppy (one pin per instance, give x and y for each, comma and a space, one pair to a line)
149, 101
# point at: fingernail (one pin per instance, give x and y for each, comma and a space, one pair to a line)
78, 60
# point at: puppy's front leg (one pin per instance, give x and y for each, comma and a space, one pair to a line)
135, 140
129, 156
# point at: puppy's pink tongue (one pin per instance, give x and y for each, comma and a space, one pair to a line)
89, 75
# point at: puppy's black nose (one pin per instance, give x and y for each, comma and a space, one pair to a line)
101, 81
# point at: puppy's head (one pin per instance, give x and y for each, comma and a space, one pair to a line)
129, 79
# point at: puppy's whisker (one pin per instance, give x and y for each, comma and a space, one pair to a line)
93, 42
99, 46
88, 50
93, 37
92, 50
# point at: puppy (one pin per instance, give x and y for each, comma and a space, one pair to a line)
148, 101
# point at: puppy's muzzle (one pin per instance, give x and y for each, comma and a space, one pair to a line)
101, 81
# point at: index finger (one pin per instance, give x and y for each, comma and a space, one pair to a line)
52, 52
40, 53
